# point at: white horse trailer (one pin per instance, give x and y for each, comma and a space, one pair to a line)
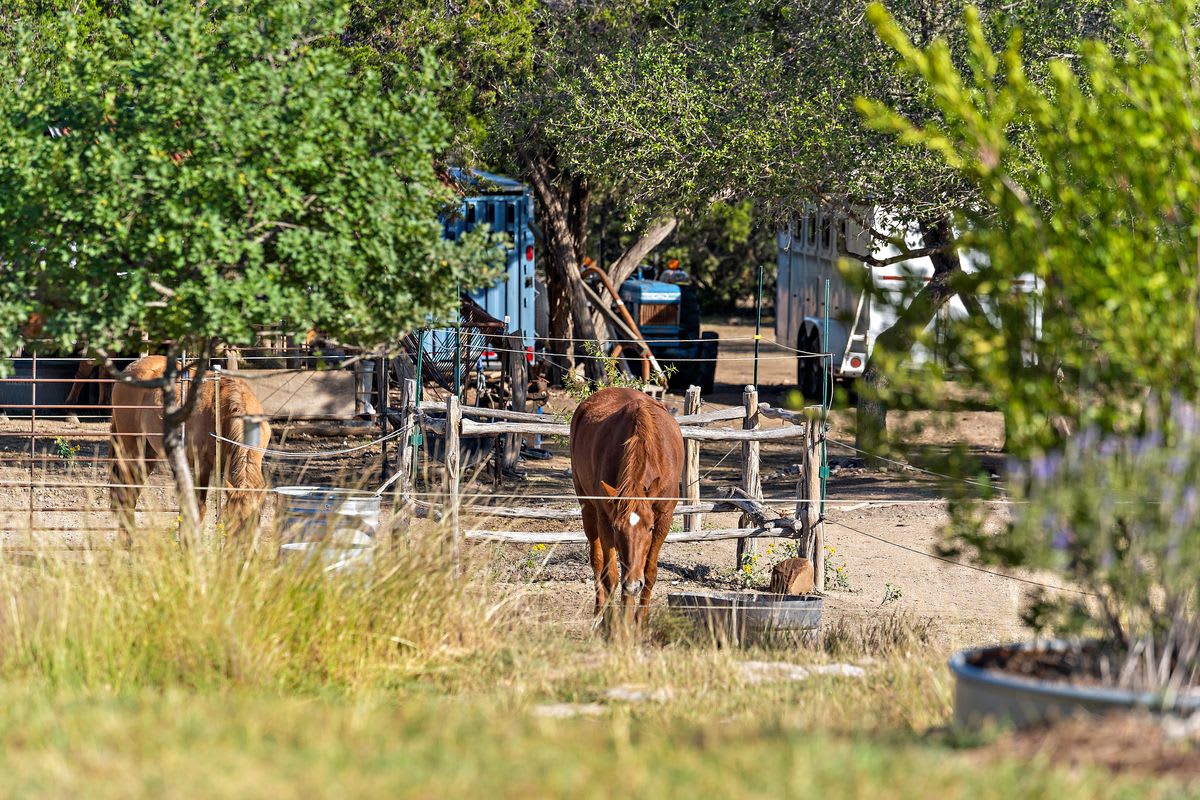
859, 311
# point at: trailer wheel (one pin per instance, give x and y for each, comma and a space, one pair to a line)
541, 309
812, 375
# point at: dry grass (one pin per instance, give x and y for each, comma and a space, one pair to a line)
206, 674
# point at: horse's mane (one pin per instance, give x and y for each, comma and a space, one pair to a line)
635, 459
244, 471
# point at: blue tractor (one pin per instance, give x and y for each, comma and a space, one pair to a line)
667, 311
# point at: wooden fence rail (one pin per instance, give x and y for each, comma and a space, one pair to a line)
454, 422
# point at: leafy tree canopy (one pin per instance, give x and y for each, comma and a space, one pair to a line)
219, 166
692, 100
1106, 214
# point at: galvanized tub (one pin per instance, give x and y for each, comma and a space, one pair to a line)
336, 526
748, 618
984, 695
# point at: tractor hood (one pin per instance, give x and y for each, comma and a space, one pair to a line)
646, 291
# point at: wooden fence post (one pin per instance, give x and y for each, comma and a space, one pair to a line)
402, 495
691, 463
218, 484
751, 479
812, 526
453, 430
381, 409
518, 378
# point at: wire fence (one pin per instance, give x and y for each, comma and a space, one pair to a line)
55, 459
58, 468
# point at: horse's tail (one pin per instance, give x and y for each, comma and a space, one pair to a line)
244, 462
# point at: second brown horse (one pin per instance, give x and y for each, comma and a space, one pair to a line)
137, 444
626, 460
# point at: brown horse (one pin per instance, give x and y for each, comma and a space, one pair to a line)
626, 447
137, 425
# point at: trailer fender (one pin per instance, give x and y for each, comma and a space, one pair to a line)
812, 338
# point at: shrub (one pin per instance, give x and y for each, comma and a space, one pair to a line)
1089, 183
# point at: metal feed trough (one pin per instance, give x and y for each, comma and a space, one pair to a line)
747, 618
335, 526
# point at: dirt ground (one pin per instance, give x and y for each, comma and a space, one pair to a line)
883, 526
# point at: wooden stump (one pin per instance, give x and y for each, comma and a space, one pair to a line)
792, 576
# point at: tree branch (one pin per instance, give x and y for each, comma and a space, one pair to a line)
102, 357
628, 261
199, 371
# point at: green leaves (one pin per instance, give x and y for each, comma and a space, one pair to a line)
760, 99
1087, 184
234, 157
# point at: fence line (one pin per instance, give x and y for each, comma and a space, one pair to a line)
758, 519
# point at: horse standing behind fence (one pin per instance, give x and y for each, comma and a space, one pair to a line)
627, 447
137, 424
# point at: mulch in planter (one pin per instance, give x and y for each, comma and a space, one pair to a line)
1084, 665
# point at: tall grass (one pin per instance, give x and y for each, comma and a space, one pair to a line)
210, 618
206, 674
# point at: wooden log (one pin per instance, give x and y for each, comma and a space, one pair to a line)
751, 482
752, 508
518, 378
691, 462
332, 429
472, 412
574, 513
751, 435
472, 428
794, 417
433, 424
720, 415
453, 425
570, 537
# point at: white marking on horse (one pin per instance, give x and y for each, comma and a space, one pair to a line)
634, 519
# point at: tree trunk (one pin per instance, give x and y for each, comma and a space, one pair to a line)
623, 267
563, 206
871, 417
176, 410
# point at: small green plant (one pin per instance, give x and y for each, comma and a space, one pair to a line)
582, 388
747, 576
891, 593
533, 558
836, 575
66, 451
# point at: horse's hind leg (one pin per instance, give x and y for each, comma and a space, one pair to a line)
127, 474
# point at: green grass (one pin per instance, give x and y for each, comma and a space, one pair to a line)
183, 744
206, 675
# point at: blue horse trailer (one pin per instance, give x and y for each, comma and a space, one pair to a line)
506, 206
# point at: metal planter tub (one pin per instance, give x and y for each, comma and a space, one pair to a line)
749, 618
985, 695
